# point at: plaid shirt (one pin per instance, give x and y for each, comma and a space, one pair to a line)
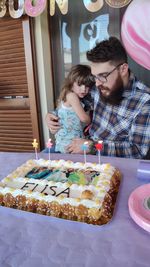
124, 129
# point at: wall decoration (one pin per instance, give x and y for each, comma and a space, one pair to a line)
62, 4
34, 11
16, 13
93, 6
2, 8
135, 32
35, 8
118, 3
92, 32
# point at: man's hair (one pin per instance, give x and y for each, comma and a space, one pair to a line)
108, 50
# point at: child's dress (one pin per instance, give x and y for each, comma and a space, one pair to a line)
71, 127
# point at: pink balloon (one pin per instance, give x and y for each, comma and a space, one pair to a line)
135, 32
34, 11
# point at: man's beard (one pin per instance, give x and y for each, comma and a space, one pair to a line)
115, 97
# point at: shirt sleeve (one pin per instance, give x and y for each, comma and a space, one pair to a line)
138, 143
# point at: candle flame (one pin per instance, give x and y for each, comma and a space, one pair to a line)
86, 143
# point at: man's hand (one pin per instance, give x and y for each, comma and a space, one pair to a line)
52, 122
75, 146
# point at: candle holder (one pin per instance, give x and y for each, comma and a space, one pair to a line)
85, 147
35, 146
49, 144
99, 147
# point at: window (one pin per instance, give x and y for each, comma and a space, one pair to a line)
76, 32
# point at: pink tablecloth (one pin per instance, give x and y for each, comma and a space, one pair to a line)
28, 239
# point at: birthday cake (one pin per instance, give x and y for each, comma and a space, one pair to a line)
78, 191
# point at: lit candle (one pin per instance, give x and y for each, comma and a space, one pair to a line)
35, 146
49, 145
99, 147
85, 147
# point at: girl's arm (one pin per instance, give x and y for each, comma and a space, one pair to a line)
74, 102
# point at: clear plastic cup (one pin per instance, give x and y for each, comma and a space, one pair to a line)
143, 171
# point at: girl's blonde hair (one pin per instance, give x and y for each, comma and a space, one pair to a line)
81, 75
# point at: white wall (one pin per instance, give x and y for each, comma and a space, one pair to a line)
44, 68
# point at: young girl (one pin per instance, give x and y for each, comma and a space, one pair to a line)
70, 111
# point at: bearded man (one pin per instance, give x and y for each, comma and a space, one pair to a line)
120, 103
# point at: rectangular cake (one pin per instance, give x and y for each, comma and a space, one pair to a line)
84, 192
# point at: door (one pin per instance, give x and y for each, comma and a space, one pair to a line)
19, 109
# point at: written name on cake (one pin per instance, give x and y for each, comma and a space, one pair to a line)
46, 189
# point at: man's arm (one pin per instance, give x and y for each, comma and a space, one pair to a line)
136, 146
75, 146
138, 143
52, 122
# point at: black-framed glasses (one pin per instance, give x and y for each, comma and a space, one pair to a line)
103, 77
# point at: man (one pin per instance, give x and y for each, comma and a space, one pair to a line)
121, 105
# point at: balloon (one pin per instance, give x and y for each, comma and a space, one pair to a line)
93, 7
62, 4
16, 13
36, 10
118, 3
135, 32
2, 8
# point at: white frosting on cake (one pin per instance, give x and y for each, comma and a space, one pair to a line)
101, 184
64, 189
53, 188
62, 192
38, 196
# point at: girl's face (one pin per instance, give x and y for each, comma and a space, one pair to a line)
80, 90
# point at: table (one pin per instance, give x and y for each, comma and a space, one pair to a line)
33, 240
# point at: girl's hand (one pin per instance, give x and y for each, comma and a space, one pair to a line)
52, 122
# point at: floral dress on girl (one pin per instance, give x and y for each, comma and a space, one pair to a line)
71, 127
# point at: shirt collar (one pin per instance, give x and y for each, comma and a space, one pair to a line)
128, 89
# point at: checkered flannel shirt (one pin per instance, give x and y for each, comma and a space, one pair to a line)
124, 129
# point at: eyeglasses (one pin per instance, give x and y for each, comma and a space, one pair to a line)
103, 77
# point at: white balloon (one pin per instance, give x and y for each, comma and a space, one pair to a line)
93, 7
62, 4
16, 13
2, 8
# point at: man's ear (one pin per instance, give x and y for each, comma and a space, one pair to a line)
124, 68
